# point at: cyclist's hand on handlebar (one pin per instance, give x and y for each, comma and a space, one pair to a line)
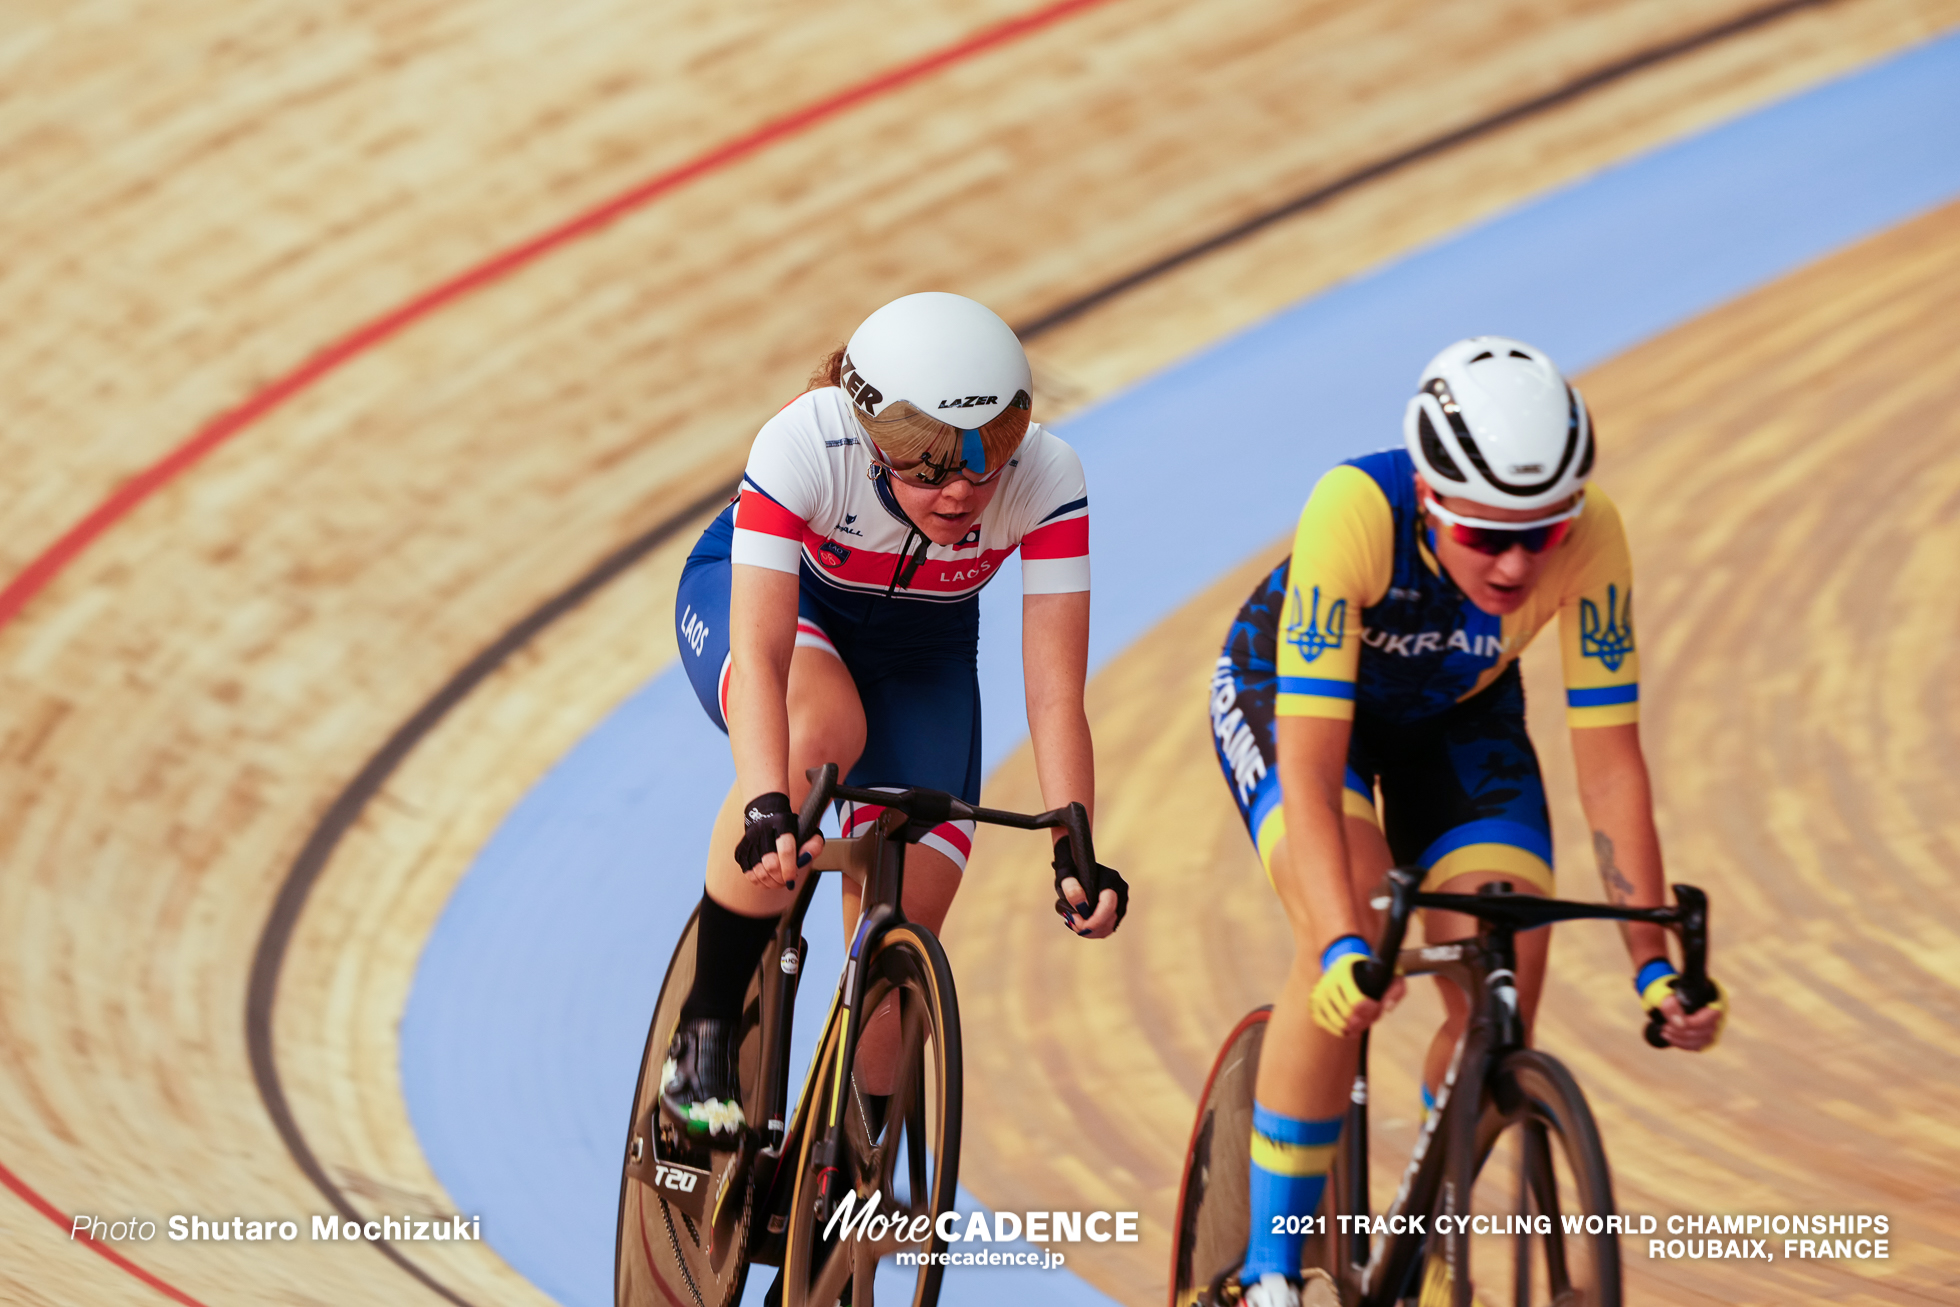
1339, 1005
1072, 900
1692, 1031
767, 852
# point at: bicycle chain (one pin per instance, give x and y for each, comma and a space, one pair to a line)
680, 1258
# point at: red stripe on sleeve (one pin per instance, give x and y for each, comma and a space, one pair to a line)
1069, 539
758, 512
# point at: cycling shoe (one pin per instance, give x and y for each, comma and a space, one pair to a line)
699, 1089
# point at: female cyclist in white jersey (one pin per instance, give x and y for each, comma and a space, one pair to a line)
831, 614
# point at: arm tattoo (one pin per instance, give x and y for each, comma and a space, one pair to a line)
1619, 890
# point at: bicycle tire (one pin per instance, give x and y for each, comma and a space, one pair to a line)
662, 1257
1214, 1215
920, 1119
1536, 1155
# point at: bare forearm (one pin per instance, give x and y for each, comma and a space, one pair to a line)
758, 730
1055, 665
1064, 756
1313, 881
1618, 798
762, 635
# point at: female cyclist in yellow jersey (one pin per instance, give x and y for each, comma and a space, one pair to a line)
1368, 713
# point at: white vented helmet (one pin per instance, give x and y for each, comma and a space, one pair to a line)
949, 355
1494, 422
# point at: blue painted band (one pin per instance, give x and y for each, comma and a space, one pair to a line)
1316, 685
1603, 696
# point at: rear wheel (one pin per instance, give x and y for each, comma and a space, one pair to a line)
902, 1152
669, 1251
1541, 1195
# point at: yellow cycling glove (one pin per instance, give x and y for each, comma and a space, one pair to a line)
1338, 991
1656, 980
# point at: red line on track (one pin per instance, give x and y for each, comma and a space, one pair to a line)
49, 563
49, 1210
37, 575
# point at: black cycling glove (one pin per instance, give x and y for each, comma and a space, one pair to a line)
1104, 878
766, 818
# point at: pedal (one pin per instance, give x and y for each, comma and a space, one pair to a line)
678, 1128
676, 1144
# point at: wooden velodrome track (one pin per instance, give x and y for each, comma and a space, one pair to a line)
1802, 725
202, 197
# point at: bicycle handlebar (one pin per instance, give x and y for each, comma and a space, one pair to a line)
1375, 974
1689, 916
1693, 989
928, 808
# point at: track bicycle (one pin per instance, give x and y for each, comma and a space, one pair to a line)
1507, 1195
694, 1216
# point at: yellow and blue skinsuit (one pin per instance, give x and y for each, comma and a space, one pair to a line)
1362, 624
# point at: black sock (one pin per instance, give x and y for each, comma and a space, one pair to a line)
727, 947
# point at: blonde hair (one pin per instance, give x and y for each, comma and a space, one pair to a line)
905, 434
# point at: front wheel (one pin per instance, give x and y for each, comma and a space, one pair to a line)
899, 1160
1539, 1200
1214, 1201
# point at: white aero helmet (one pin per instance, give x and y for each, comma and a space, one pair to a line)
954, 361
1493, 421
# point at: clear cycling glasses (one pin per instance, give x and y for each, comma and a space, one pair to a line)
953, 450
926, 472
1493, 538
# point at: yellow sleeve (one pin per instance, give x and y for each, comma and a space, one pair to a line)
1602, 662
1343, 556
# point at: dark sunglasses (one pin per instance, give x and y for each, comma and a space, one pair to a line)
1485, 538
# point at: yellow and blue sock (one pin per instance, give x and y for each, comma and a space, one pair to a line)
1290, 1158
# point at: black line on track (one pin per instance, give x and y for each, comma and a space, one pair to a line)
349, 804
346, 810
1435, 145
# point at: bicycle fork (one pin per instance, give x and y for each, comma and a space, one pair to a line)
883, 890
1376, 1263
871, 926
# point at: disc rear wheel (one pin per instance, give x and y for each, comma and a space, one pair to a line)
670, 1250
